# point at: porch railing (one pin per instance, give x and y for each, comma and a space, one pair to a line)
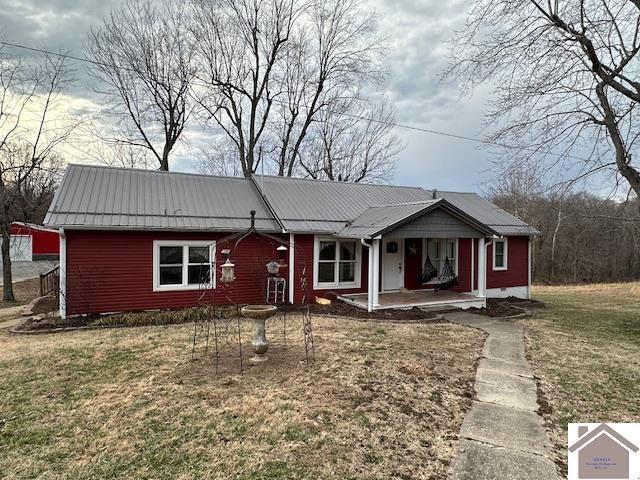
50, 282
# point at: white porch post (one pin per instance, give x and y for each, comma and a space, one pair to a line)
473, 247
292, 258
529, 266
375, 253
482, 268
62, 281
369, 274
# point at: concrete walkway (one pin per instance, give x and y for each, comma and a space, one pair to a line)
502, 437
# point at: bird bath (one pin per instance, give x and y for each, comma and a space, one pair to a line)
259, 314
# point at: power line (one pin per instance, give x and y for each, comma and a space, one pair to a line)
359, 117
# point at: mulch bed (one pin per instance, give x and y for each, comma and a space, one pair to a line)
506, 307
496, 307
341, 309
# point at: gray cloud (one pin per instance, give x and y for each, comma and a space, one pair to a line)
416, 31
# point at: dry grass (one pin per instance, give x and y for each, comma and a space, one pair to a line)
586, 350
381, 401
24, 292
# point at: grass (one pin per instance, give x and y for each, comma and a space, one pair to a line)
381, 401
24, 292
585, 349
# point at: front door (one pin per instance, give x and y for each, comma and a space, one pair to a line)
392, 264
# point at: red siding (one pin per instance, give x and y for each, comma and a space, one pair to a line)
44, 242
517, 273
413, 265
113, 271
304, 262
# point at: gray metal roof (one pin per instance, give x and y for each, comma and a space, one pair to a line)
101, 197
105, 197
375, 219
488, 213
299, 201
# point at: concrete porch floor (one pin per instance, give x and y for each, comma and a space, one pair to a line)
417, 298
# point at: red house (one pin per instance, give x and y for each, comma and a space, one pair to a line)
139, 239
30, 242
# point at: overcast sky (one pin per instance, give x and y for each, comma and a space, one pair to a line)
417, 31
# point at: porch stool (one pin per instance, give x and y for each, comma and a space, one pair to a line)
276, 288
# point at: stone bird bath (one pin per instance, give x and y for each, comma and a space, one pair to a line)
259, 314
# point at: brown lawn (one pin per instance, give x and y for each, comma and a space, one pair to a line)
381, 401
585, 349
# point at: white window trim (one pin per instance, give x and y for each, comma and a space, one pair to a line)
185, 244
424, 256
316, 262
506, 255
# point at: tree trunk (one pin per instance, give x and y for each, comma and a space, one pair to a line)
7, 289
553, 246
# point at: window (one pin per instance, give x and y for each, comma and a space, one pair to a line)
439, 249
185, 265
500, 254
337, 263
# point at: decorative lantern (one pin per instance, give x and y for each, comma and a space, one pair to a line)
228, 268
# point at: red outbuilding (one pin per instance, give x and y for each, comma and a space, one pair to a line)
31, 242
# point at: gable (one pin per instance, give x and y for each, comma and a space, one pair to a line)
436, 223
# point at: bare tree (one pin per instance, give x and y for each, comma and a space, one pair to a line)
566, 78
326, 67
32, 127
143, 56
274, 68
350, 149
584, 238
239, 44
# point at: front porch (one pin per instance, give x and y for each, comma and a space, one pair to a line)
417, 298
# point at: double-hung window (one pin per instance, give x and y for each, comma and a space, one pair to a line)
183, 265
439, 249
500, 254
337, 263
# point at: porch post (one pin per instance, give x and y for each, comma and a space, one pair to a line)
530, 253
375, 253
292, 277
62, 280
482, 268
369, 274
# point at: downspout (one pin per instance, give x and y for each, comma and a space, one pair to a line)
369, 276
292, 260
62, 282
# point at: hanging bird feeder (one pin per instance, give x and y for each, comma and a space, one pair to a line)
228, 268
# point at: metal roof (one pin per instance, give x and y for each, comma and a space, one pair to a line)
103, 197
488, 213
92, 196
375, 219
385, 218
298, 201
